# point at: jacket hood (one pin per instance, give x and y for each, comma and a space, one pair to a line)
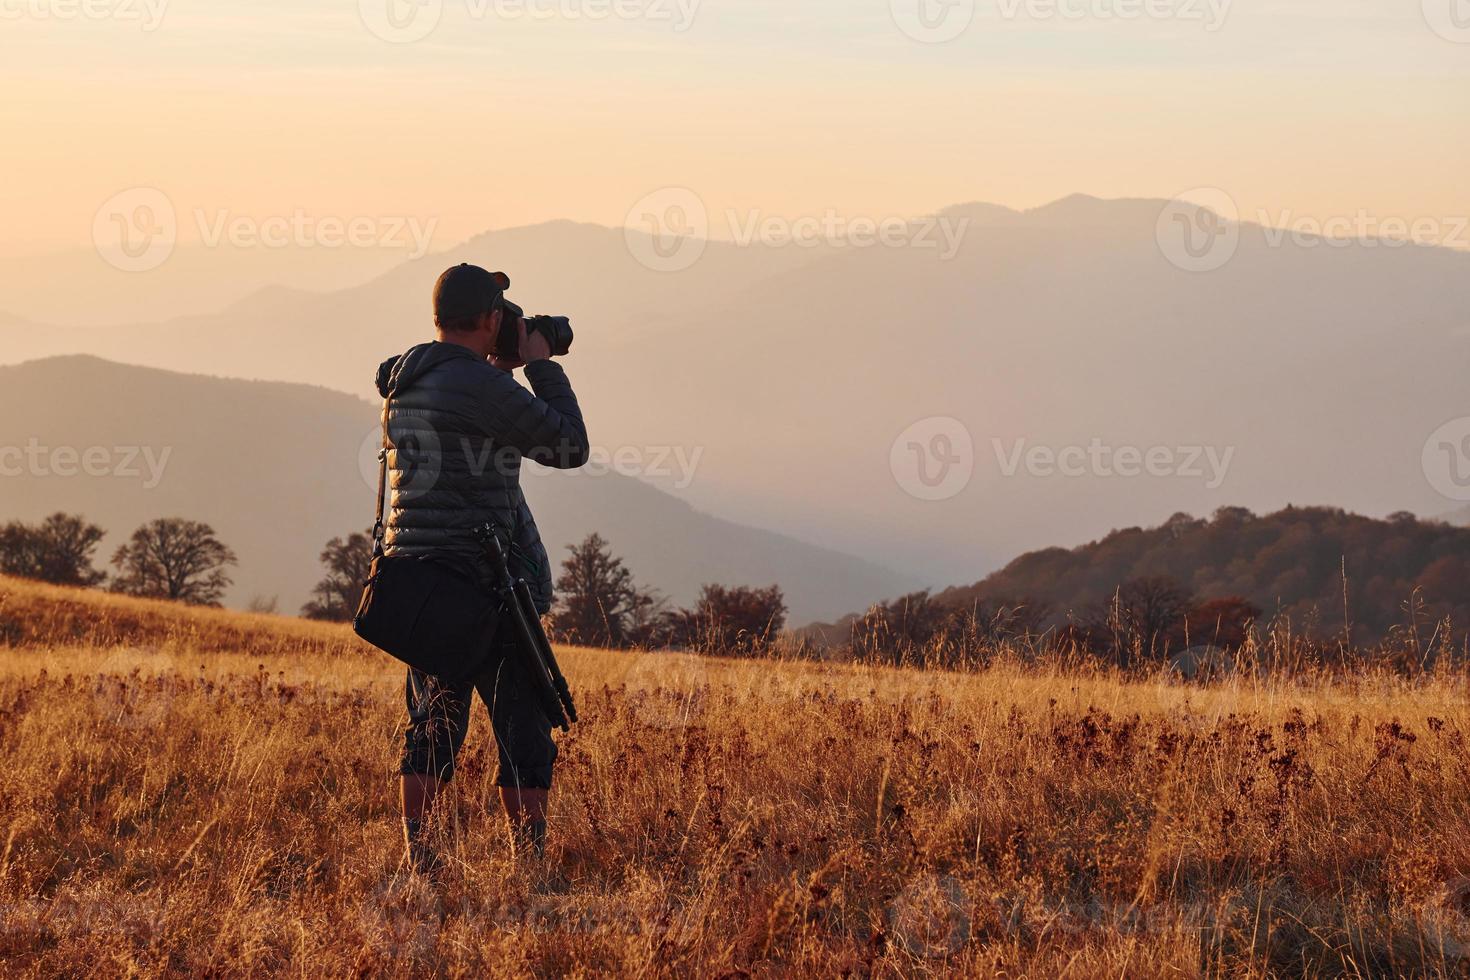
399, 373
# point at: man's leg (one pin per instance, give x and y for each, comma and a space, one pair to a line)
525, 808
417, 791
438, 717
527, 752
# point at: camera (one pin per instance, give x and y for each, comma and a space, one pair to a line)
556, 329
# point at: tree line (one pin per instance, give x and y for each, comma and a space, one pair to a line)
168, 558
1136, 595
598, 602
1336, 579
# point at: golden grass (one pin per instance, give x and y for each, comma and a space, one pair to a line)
211, 793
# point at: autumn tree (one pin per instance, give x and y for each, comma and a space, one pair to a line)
596, 595
1224, 622
174, 558
336, 596
59, 550
731, 620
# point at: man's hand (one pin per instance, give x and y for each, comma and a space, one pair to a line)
533, 347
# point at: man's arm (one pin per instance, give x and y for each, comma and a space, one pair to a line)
545, 427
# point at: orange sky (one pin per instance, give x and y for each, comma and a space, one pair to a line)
497, 118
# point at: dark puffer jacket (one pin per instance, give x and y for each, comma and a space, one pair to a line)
457, 430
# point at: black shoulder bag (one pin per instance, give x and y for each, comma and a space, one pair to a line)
435, 616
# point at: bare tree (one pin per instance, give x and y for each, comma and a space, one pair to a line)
174, 558
347, 561
1145, 616
647, 620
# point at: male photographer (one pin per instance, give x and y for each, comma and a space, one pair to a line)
458, 426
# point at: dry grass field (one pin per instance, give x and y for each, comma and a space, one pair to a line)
206, 793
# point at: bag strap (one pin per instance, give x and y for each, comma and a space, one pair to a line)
378, 528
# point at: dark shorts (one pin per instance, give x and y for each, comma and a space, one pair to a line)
439, 718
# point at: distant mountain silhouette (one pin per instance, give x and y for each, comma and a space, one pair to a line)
278, 469
1321, 369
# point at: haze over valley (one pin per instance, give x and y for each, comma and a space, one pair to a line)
768, 384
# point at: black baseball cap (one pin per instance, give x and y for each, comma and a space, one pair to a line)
467, 290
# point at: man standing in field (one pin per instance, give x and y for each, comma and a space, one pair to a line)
458, 426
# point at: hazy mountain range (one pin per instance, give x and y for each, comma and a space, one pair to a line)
1299, 372
278, 469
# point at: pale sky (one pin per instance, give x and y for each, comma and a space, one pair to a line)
498, 118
